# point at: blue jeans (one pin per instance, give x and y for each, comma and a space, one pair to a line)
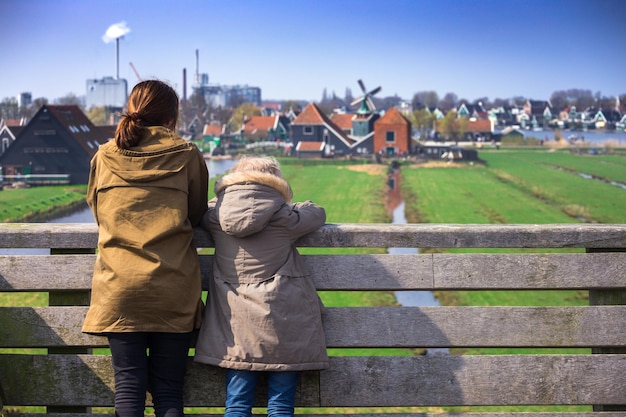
155, 362
241, 387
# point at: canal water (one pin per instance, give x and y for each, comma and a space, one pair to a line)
590, 137
413, 298
216, 167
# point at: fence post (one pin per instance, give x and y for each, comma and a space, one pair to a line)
608, 297
69, 298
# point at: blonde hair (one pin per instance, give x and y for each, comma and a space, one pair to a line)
265, 164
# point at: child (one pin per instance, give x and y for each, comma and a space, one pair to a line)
263, 312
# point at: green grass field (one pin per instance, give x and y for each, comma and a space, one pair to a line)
26, 204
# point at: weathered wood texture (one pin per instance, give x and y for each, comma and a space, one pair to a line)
417, 414
377, 327
351, 381
57, 235
74, 378
369, 272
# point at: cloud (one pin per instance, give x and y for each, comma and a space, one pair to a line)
115, 31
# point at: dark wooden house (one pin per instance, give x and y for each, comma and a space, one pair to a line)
8, 134
312, 125
58, 142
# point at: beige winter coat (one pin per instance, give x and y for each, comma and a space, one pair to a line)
145, 201
263, 312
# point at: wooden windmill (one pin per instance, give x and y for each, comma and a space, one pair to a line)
363, 123
366, 104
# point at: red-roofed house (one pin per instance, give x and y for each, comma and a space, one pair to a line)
58, 141
212, 130
266, 128
312, 125
479, 129
392, 133
306, 150
344, 121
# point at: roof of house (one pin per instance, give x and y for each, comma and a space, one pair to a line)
12, 131
343, 120
304, 146
212, 130
107, 131
260, 123
14, 122
80, 127
312, 115
393, 116
479, 126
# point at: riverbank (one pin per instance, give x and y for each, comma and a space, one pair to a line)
40, 204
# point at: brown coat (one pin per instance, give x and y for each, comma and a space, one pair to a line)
145, 201
263, 312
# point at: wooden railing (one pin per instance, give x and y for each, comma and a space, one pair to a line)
64, 376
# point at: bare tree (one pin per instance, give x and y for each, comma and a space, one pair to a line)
70, 99
448, 102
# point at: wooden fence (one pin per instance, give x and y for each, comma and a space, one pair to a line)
46, 361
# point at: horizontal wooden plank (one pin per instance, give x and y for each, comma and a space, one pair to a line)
529, 271
350, 381
424, 235
409, 327
382, 272
378, 414
446, 327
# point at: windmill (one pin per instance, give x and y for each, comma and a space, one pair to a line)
367, 105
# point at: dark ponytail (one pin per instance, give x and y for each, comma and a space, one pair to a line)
151, 103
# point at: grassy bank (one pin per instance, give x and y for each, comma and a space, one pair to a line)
38, 204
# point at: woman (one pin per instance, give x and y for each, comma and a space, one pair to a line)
147, 190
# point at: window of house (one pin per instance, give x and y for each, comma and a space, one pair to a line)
390, 136
308, 130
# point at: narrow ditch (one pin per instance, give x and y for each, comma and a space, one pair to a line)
407, 298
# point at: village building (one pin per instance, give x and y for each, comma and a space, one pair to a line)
538, 112
56, 146
343, 121
392, 134
266, 128
9, 130
479, 130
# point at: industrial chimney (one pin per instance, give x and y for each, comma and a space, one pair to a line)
184, 84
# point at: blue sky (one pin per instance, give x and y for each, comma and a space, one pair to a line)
294, 49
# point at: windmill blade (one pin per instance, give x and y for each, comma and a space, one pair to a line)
356, 101
370, 104
374, 91
362, 86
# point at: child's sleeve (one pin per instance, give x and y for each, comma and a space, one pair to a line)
306, 217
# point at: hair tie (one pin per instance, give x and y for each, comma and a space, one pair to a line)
134, 116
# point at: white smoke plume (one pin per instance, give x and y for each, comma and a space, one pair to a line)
115, 31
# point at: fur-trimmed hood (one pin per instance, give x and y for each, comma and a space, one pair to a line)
261, 178
247, 200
